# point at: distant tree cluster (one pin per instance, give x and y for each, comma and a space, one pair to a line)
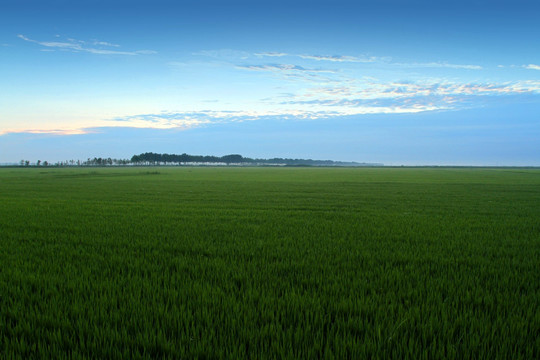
151, 158
156, 159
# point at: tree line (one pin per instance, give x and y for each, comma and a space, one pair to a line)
89, 162
155, 159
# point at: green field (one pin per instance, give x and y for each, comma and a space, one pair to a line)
269, 263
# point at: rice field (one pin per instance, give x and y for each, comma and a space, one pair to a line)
269, 263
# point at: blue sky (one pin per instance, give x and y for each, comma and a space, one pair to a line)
414, 83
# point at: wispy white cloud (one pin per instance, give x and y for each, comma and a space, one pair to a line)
104, 43
72, 131
195, 119
532, 67
341, 58
227, 54
294, 66
370, 59
404, 90
331, 58
405, 97
452, 66
284, 68
295, 73
74, 45
188, 120
438, 65
271, 54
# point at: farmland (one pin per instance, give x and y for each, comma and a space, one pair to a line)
269, 263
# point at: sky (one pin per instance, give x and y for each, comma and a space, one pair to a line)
393, 82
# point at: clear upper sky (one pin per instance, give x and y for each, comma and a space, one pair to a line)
397, 82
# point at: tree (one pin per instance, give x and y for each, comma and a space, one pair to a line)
135, 159
233, 158
38, 162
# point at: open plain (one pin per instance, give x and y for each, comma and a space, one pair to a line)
190, 262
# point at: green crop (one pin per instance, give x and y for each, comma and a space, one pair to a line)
269, 263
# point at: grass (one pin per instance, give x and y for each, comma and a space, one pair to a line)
269, 263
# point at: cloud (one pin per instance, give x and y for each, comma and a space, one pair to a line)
74, 131
371, 97
331, 58
439, 65
370, 59
195, 119
295, 73
373, 90
340, 58
74, 45
271, 54
532, 67
333, 63
452, 66
104, 43
187, 120
224, 54
283, 68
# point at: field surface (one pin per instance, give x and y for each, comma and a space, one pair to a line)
269, 263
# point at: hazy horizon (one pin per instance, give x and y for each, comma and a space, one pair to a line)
416, 83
